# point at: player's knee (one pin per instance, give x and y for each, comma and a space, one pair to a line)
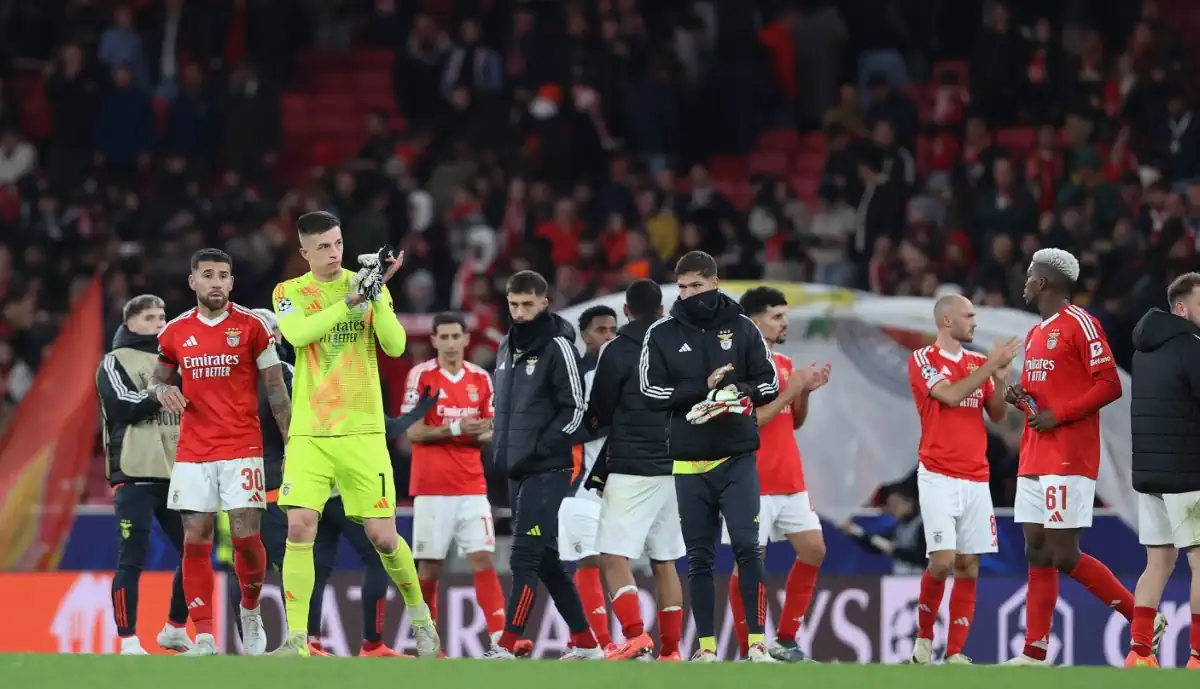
244, 523
940, 567
812, 552
1193, 558
429, 569
382, 534
198, 528
302, 530
700, 559
966, 567
480, 561
745, 549
1064, 560
1037, 557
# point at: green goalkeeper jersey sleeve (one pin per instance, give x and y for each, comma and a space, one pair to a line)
336, 389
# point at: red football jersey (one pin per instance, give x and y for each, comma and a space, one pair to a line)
219, 362
1062, 354
953, 439
450, 467
780, 471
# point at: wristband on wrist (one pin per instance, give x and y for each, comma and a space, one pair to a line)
455, 428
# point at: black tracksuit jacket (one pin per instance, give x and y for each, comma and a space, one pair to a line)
679, 352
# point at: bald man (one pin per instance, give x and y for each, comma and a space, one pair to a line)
952, 387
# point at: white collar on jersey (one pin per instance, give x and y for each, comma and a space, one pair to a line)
952, 356
1048, 321
210, 322
453, 377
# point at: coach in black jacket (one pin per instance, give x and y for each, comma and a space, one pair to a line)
139, 445
707, 343
1165, 399
539, 410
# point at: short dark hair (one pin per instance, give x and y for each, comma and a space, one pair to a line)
1182, 286
697, 262
449, 318
317, 222
527, 281
644, 299
140, 304
758, 299
592, 313
211, 255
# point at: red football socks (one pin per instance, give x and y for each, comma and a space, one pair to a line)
738, 610
628, 609
1103, 584
962, 613
670, 629
928, 603
1194, 635
198, 584
429, 593
490, 597
1141, 630
250, 565
801, 582
1040, 599
583, 639
591, 594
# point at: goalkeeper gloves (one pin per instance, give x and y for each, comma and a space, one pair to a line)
369, 280
720, 401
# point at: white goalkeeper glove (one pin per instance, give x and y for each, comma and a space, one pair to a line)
369, 280
720, 401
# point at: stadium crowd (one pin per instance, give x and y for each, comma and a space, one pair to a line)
904, 148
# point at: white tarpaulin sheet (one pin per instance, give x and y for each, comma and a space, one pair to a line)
862, 428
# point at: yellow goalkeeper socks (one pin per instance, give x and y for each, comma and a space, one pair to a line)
299, 576
403, 570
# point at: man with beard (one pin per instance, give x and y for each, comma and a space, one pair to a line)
139, 447
708, 366
220, 350
785, 512
539, 409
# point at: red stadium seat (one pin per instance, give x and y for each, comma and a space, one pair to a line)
781, 140
1019, 140
809, 163
813, 143
770, 163
728, 167
366, 59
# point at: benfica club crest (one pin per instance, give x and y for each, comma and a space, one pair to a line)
530, 365
473, 393
1052, 339
725, 337
233, 337
971, 368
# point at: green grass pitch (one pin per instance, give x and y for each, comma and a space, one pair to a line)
229, 672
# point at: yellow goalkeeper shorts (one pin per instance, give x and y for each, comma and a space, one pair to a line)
359, 465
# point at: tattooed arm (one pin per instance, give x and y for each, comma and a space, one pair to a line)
170, 396
276, 380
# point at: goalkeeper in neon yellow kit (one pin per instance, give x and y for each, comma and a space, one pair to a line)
337, 430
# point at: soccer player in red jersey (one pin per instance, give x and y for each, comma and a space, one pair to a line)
447, 472
952, 387
219, 350
1069, 375
785, 511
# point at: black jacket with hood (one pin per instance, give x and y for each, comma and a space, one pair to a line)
637, 435
539, 397
703, 333
1164, 407
139, 435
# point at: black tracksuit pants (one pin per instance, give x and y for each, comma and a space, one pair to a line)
137, 506
535, 501
728, 490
